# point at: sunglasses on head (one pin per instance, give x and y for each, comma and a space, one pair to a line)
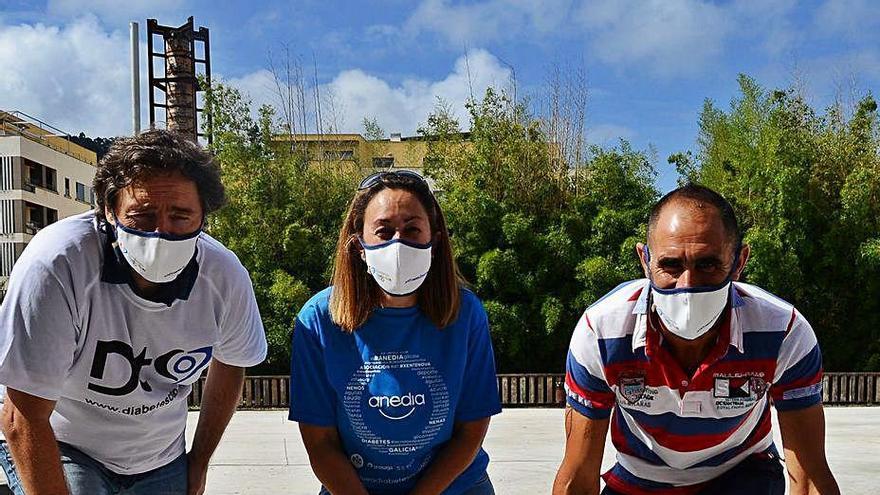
375, 178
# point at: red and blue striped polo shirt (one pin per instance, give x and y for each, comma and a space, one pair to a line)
675, 432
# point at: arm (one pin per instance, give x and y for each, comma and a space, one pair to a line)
328, 460
584, 446
221, 396
25, 422
803, 439
453, 458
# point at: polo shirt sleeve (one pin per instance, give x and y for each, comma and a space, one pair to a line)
38, 333
798, 380
312, 398
242, 337
479, 395
586, 388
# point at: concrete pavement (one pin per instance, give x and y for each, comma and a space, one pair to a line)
262, 453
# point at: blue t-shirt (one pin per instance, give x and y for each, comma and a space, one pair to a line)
394, 387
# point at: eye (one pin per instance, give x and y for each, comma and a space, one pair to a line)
707, 266
385, 233
670, 265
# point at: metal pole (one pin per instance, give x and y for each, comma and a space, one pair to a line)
135, 81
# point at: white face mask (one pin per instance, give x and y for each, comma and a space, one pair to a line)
156, 256
690, 312
398, 266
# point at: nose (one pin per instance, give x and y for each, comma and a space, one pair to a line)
684, 280
163, 224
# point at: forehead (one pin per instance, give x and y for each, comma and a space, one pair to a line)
161, 190
391, 204
689, 224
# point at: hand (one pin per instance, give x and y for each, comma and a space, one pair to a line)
196, 476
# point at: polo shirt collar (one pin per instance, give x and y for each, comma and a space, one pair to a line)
639, 338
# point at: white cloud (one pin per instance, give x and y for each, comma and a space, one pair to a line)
854, 19
75, 77
119, 12
667, 37
494, 20
400, 108
397, 107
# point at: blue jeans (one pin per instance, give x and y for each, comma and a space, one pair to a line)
86, 476
482, 487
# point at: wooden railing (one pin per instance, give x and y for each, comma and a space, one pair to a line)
544, 390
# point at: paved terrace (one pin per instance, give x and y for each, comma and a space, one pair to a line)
262, 453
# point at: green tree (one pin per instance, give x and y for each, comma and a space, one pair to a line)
807, 190
538, 242
283, 214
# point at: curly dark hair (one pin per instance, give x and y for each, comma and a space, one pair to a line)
157, 151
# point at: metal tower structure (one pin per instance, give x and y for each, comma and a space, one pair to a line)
178, 86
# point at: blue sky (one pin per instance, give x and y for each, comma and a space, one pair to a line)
649, 64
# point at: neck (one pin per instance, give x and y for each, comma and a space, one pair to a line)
689, 353
388, 301
143, 287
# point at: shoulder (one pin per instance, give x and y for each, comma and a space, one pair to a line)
316, 311
221, 266
762, 311
610, 316
68, 248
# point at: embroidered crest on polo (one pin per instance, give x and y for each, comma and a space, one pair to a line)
631, 384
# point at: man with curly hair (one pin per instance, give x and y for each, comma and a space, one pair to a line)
110, 317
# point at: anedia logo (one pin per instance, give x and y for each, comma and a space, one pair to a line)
385, 402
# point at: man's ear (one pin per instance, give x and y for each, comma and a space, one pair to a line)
744, 253
644, 256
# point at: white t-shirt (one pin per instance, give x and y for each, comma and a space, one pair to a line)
120, 367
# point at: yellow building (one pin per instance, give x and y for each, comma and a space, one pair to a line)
396, 152
43, 177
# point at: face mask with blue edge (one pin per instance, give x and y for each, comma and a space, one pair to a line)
690, 312
157, 257
398, 266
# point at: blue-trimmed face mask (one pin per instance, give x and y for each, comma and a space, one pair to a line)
157, 257
690, 312
398, 266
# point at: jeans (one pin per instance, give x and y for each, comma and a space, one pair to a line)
481, 487
86, 476
760, 474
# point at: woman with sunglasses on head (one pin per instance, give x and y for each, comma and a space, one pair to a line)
392, 371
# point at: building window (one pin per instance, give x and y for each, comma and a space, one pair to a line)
80, 192
67, 186
37, 175
383, 162
51, 216
339, 155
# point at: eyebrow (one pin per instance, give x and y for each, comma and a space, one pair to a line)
668, 260
388, 220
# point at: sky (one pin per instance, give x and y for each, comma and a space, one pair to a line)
649, 65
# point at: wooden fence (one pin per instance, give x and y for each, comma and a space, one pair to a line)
544, 390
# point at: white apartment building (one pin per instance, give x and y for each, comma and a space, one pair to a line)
43, 177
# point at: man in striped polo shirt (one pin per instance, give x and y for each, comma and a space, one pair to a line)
685, 364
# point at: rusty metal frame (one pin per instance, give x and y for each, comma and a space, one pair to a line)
154, 83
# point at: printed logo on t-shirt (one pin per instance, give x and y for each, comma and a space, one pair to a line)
389, 406
357, 461
176, 365
397, 403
